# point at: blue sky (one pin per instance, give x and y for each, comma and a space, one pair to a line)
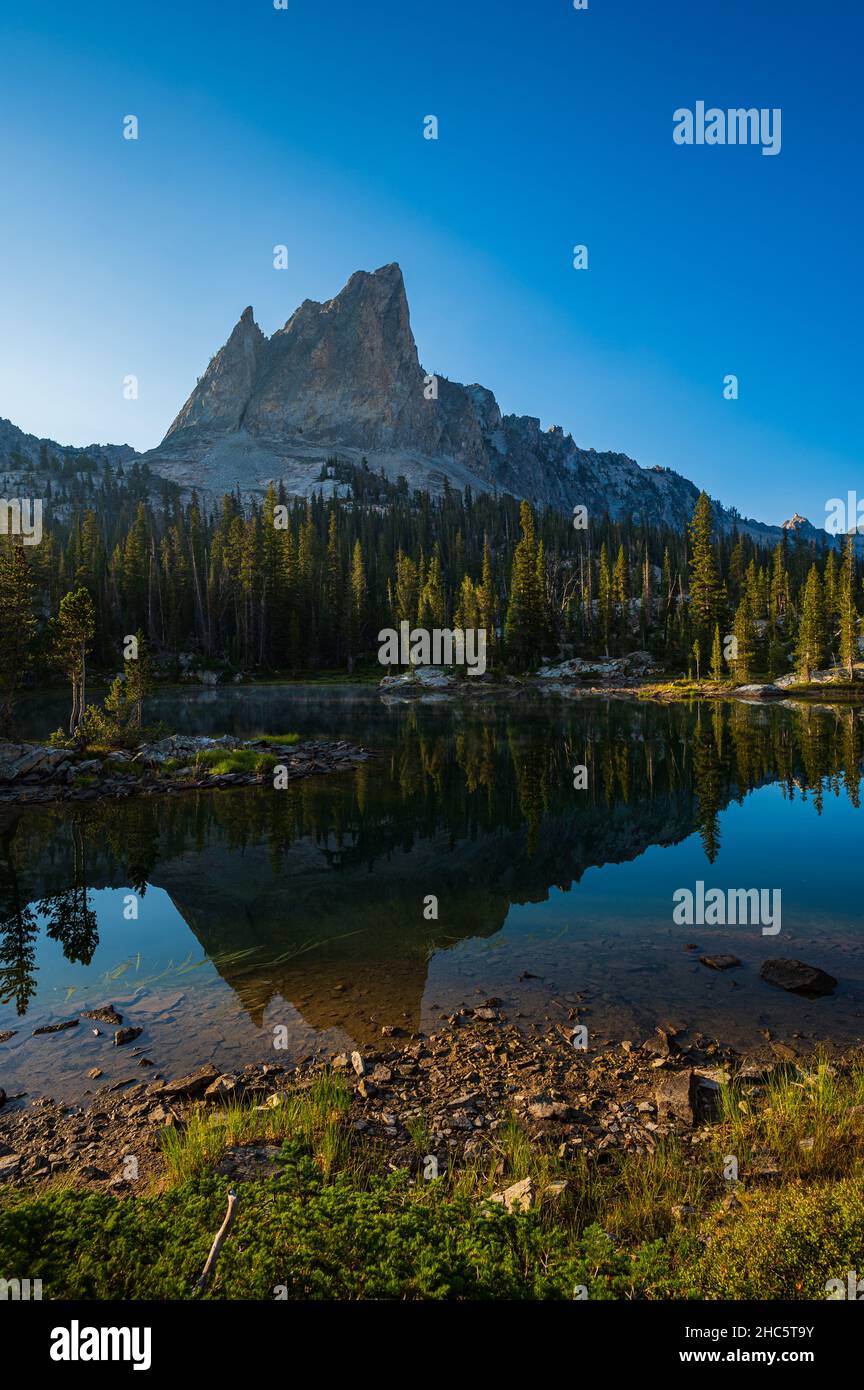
304, 127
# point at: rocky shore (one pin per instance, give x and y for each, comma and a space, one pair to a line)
634, 675
35, 773
445, 1095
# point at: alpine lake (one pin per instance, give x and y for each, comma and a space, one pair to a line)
464, 861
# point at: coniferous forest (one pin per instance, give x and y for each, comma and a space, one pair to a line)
296, 586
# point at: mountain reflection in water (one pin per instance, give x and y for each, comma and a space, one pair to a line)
306, 905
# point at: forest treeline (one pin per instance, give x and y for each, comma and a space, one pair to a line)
295, 585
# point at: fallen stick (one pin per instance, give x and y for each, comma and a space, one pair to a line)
217, 1243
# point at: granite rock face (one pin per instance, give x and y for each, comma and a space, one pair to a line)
222, 394
344, 378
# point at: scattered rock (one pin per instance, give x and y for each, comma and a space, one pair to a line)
193, 1085
720, 962
126, 1035
554, 1191
519, 1197
798, 977
249, 1162
55, 1027
9, 1165
106, 1014
544, 1109
676, 1096
225, 1087
661, 1044
758, 692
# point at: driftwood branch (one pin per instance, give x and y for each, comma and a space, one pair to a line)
217, 1243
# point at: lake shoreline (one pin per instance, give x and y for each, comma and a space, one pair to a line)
645, 1170
479, 1069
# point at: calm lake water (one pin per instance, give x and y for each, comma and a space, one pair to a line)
305, 908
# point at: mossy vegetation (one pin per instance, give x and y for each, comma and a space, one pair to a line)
219, 762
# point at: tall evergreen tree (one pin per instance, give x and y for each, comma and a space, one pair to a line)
523, 628
73, 638
705, 591
810, 648
848, 611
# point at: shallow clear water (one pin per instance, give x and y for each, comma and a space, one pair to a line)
306, 910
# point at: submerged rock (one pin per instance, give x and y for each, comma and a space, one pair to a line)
798, 977
56, 1027
106, 1014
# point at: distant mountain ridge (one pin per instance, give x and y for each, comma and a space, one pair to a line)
344, 378
29, 448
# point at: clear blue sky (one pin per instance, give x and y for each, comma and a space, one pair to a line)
304, 127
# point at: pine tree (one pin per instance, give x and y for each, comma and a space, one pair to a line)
745, 642
140, 681
407, 594
334, 596
830, 594
432, 608
620, 594
704, 581
486, 601
73, 637
523, 627
646, 602
604, 594
848, 611
358, 605
716, 655
810, 648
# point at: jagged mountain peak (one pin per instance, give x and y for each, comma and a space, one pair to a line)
220, 395
343, 377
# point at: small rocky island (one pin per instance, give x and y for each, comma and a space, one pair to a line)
36, 772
